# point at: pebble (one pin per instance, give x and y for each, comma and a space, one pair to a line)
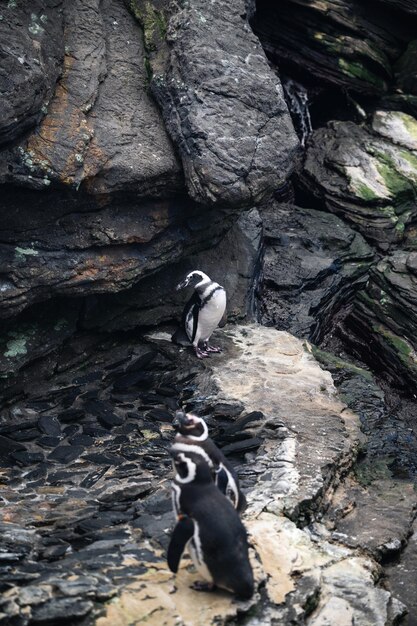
49, 426
66, 454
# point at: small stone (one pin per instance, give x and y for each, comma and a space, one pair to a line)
49, 426
81, 440
48, 442
27, 458
61, 609
71, 415
66, 454
26, 434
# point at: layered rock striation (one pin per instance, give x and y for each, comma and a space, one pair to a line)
367, 175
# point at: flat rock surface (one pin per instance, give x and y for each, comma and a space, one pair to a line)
80, 529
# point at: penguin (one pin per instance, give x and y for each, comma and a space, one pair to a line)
209, 527
192, 435
203, 311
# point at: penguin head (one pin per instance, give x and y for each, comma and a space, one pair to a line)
190, 425
194, 279
190, 467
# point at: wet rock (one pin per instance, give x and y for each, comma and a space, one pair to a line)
7, 446
16, 542
207, 67
376, 517
32, 52
312, 267
27, 458
408, 6
63, 609
65, 454
348, 44
385, 314
372, 179
49, 426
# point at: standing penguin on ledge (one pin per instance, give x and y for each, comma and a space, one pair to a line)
209, 527
203, 311
192, 436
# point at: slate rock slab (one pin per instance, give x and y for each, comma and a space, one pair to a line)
222, 104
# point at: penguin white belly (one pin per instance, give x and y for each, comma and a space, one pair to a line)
210, 315
196, 552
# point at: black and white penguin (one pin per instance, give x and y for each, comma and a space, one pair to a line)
192, 435
209, 527
203, 311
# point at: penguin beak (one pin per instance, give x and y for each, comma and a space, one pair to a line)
181, 285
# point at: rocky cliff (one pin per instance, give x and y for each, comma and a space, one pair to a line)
273, 145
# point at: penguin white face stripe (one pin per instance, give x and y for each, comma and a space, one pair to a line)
191, 470
201, 437
188, 447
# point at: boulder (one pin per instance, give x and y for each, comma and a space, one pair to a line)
31, 54
344, 43
367, 175
313, 264
101, 131
383, 321
80, 250
222, 104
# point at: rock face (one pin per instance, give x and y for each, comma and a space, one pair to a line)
313, 265
82, 250
348, 43
384, 315
31, 53
234, 263
89, 138
222, 104
367, 176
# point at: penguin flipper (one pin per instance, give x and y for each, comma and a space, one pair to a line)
222, 479
242, 503
190, 316
183, 532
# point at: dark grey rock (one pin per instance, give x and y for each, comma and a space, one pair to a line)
65, 454
222, 104
27, 458
82, 138
346, 43
366, 175
32, 51
312, 267
383, 321
61, 610
49, 425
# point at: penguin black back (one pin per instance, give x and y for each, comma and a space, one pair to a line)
210, 527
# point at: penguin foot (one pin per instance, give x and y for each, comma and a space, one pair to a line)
200, 585
208, 348
201, 354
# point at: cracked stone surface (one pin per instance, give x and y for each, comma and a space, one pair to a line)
222, 104
78, 530
366, 175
